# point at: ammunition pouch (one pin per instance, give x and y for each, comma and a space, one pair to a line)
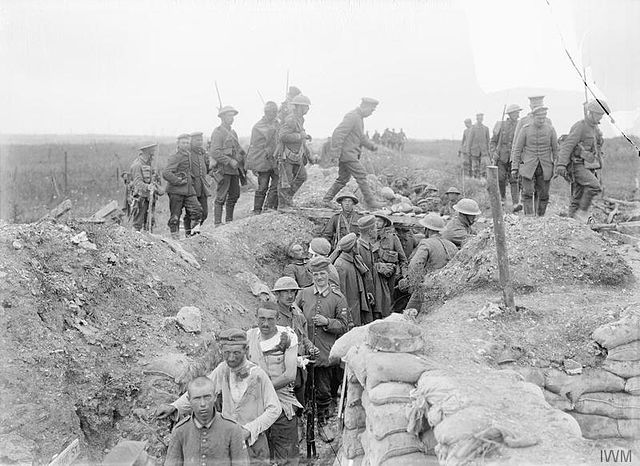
294, 157
389, 256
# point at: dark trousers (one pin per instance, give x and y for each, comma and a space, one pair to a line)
584, 188
345, 171
504, 177
322, 381
476, 166
204, 204
140, 215
294, 175
283, 441
176, 203
267, 193
259, 451
227, 192
538, 186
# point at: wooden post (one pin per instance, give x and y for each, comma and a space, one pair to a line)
501, 243
66, 185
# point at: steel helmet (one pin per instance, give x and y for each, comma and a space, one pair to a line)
453, 190
467, 207
431, 187
388, 222
227, 109
513, 108
285, 283
432, 221
301, 100
598, 106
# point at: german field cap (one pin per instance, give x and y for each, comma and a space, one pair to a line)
344, 196
285, 283
227, 109
432, 221
540, 109
386, 219
149, 148
536, 100
513, 108
184, 136
453, 190
370, 101
467, 207
321, 246
318, 264
195, 134
347, 242
269, 305
366, 222
233, 336
479, 114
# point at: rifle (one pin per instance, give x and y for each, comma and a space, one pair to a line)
311, 413
219, 99
261, 98
504, 109
151, 208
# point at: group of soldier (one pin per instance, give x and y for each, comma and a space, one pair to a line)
277, 375
529, 154
390, 139
278, 153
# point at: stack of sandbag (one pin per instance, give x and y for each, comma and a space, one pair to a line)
605, 401
382, 372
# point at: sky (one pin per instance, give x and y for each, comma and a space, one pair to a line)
149, 67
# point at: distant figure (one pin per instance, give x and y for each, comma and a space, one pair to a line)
453, 195
201, 184
478, 145
261, 159
376, 137
458, 229
501, 145
463, 151
144, 180
403, 139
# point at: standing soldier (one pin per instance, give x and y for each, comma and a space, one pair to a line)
351, 270
297, 269
452, 196
226, 151
466, 157
344, 222
501, 145
181, 190
579, 157
285, 107
260, 159
393, 261
367, 248
478, 145
199, 171
145, 180
536, 148
534, 101
292, 153
347, 142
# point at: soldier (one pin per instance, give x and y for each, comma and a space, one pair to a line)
297, 269
458, 229
376, 137
501, 145
466, 157
386, 137
433, 253
181, 189
201, 184
322, 247
367, 248
261, 159
347, 142
285, 107
325, 309
403, 139
401, 186
478, 145
233, 376
536, 148
226, 151
452, 197
351, 270
580, 156
392, 260
292, 153
206, 437
145, 180
344, 222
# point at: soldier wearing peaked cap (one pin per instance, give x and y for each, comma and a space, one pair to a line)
501, 144
377, 290
466, 157
392, 261
145, 181
181, 187
347, 141
261, 159
345, 221
226, 151
534, 101
580, 156
201, 180
477, 145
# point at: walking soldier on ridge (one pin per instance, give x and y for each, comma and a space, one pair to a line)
579, 157
478, 145
346, 143
261, 159
181, 188
145, 182
201, 183
501, 144
226, 151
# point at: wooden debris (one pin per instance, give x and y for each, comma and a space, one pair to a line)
58, 211
178, 249
623, 238
105, 211
68, 455
621, 202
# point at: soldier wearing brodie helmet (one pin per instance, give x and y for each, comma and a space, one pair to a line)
459, 227
579, 156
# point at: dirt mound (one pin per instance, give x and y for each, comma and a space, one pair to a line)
541, 251
88, 346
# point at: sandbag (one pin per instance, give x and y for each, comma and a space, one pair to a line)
351, 445
356, 359
395, 337
438, 395
354, 393
600, 427
395, 367
590, 381
391, 392
377, 452
532, 375
385, 420
614, 405
355, 417
357, 336
626, 369
413, 459
618, 333
633, 386
626, 352
557, 401
462, 424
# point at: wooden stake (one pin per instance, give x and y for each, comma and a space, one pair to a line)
66, 185
501, 243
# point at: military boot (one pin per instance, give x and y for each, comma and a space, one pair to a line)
258, 202
229, 213
217, 214
333, 190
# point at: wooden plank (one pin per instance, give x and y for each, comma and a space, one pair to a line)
68, 455
626, 239
106, 210
621, 202
59, 210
